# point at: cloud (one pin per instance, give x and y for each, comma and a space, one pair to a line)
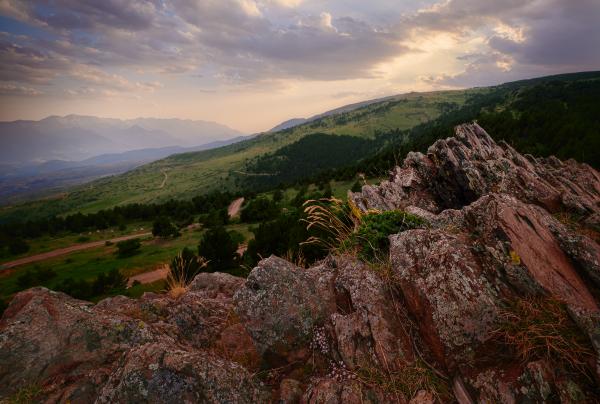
522, 38
15, 89
104, 44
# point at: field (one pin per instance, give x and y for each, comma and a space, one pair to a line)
154, 253
88, 264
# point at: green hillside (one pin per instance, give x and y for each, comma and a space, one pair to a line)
195, 173
550, 115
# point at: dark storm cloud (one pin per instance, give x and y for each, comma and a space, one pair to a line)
566, 33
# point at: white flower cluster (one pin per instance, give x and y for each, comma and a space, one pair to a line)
319, 341
338, 370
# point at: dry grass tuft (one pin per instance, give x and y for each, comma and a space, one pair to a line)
182, 270
333, 219
297, 258
405, 382
541, 328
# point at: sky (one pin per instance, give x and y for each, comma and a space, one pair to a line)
251, 64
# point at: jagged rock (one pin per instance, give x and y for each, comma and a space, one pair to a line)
290, 391
445, 289
536, 382
369, 329
50, 336
517, 237
458, 170
215, 284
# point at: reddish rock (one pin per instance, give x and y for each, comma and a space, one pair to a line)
280, 304
446, 290
52, 338
334, 391
290, 391
368, 330
155, 373
154, 349
518, 237
458, 170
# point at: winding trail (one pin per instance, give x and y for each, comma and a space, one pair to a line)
164, 182
67, 250
234, 207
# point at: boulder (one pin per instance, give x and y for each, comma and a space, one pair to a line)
154, 349
446, 290
156, 373
280, 305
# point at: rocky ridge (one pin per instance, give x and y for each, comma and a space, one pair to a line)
418, 328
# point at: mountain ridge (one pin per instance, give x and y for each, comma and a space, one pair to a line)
77, 137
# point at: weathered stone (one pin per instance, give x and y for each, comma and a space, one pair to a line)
445, 289
155, 373
74, 349
215, 284
368, 326
280, 304
458, 170
46, 335
519, 235
290, 391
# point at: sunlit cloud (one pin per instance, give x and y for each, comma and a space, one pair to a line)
253, 63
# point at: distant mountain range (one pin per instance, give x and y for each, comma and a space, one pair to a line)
76, 137
48, 155
18, 181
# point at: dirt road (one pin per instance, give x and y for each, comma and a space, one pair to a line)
149, 277
66, 250
164, 181
234, 207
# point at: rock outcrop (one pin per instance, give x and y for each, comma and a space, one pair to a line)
419, 328
155, 349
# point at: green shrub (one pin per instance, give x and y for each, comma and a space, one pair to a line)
219, 249
371, 237
127, 248
163, 227
36, 277
17, 246
259, 210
